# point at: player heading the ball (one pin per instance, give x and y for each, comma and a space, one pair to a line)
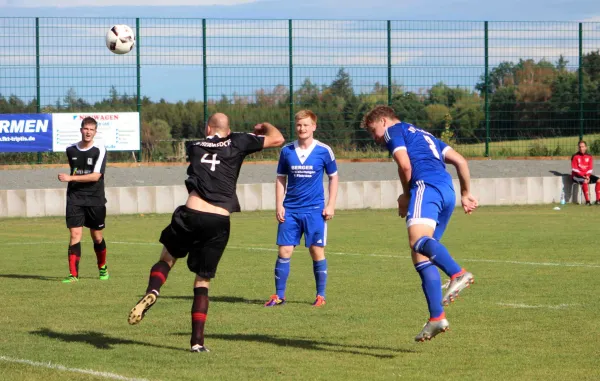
427, 202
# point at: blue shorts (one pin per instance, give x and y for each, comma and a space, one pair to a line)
310, 223
431, 205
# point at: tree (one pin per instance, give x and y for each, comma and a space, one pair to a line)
534, 80
342, 85
591, 65
307, 95
467, 115
152, 133
503, 113
114, 96
500, 76
436, 114
410, 107
277, 97
70, 99
561, 64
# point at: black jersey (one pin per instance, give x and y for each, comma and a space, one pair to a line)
215, 165
83, 162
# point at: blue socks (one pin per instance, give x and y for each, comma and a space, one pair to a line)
282, 272
438, 254
432, 287
320, 271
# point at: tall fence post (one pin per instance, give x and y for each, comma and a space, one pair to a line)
291, 75
38, 91
204, 71
487, 90
139, 82
389, 62
581, 120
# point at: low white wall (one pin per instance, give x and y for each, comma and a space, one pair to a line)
351, 195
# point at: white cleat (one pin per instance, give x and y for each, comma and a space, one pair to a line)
199, 348
431, 329
456, 286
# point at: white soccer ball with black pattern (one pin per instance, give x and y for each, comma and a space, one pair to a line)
120, 39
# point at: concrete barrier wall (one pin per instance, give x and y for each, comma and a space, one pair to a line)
351, 195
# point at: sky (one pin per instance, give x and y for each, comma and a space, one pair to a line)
532, 10
250, 54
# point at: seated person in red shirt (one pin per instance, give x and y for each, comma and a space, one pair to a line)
582, 164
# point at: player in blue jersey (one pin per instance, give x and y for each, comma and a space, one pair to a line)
427, 202
301, 207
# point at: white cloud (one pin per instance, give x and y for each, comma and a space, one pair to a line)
592, 19
106, 3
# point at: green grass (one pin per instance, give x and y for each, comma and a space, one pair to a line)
531, 314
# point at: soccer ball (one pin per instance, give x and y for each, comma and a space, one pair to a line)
120, 39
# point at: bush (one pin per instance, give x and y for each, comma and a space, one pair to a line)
506, 152
557, 151
447, 136
595, 147
538, 149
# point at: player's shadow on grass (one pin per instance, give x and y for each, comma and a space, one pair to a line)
96, 339
226, 299
34, 277
310, 344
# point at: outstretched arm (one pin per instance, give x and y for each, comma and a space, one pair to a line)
469, 202
273, 138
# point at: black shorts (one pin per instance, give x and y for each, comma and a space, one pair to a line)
203, 235
580, 179
89, 216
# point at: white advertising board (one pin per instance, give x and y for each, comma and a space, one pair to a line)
118, 131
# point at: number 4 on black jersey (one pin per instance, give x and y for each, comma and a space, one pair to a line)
215, 164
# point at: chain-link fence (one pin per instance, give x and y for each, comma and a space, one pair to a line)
489, 88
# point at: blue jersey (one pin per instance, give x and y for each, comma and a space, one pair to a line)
425, 151
304, 170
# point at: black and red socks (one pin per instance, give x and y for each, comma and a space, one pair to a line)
199, 312
74, 257
158, 276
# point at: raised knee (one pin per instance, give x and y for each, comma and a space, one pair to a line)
418, 244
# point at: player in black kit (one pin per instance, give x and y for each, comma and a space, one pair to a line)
86, 204
200, 228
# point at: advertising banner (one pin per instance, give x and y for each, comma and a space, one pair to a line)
118, 131
26, 132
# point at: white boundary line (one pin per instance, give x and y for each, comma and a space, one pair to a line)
251, 248
527, 306
49, 365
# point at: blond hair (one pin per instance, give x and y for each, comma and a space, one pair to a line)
305, 114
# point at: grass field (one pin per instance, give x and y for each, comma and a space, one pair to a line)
531, 315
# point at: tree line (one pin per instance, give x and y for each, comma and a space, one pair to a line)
527, 99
